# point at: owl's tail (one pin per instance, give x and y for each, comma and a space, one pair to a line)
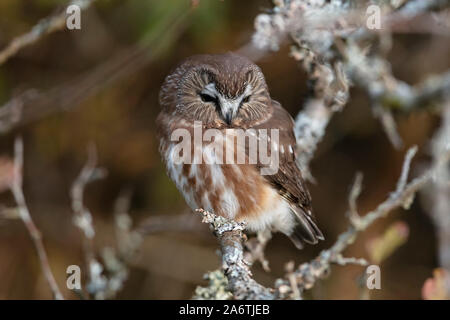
305, 229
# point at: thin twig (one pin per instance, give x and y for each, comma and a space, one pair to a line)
83, 217
106, 278
255, 249
405, 169
353, 197
16, 189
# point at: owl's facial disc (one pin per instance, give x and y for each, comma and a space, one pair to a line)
227, 107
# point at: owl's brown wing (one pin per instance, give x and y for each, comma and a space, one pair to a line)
288, 179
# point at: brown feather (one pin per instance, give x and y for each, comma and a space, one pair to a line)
288, 180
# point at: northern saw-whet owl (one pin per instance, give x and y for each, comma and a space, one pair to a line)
227, 92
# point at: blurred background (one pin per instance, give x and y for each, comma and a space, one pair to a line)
100, 84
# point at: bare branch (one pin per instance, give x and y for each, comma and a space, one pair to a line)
106, 278
255, 249
33, 105
388, 122
127, 239
405, 169
89, 173
353, 197
44, 27
83, 219
16, 189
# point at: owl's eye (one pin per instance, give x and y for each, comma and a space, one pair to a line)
207, 98
246, 99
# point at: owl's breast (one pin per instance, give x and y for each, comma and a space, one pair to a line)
235, 191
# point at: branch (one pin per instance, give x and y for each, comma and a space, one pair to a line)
236, 268
217, 288
127, 240
327, 37
16, 189
310, 128
41, 29
240, 281
83, 217
83, 220
105, 279
439, 194
255, 249
308, 273
33, 104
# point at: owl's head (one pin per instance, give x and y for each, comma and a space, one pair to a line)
225, 90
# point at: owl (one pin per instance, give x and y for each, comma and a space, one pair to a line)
226, 93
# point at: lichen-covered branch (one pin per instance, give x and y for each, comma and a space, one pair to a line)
217, 288
237, 271
308, 273
330, 41
439, 193
240, 281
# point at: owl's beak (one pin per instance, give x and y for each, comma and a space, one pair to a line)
228, 117
229, 109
